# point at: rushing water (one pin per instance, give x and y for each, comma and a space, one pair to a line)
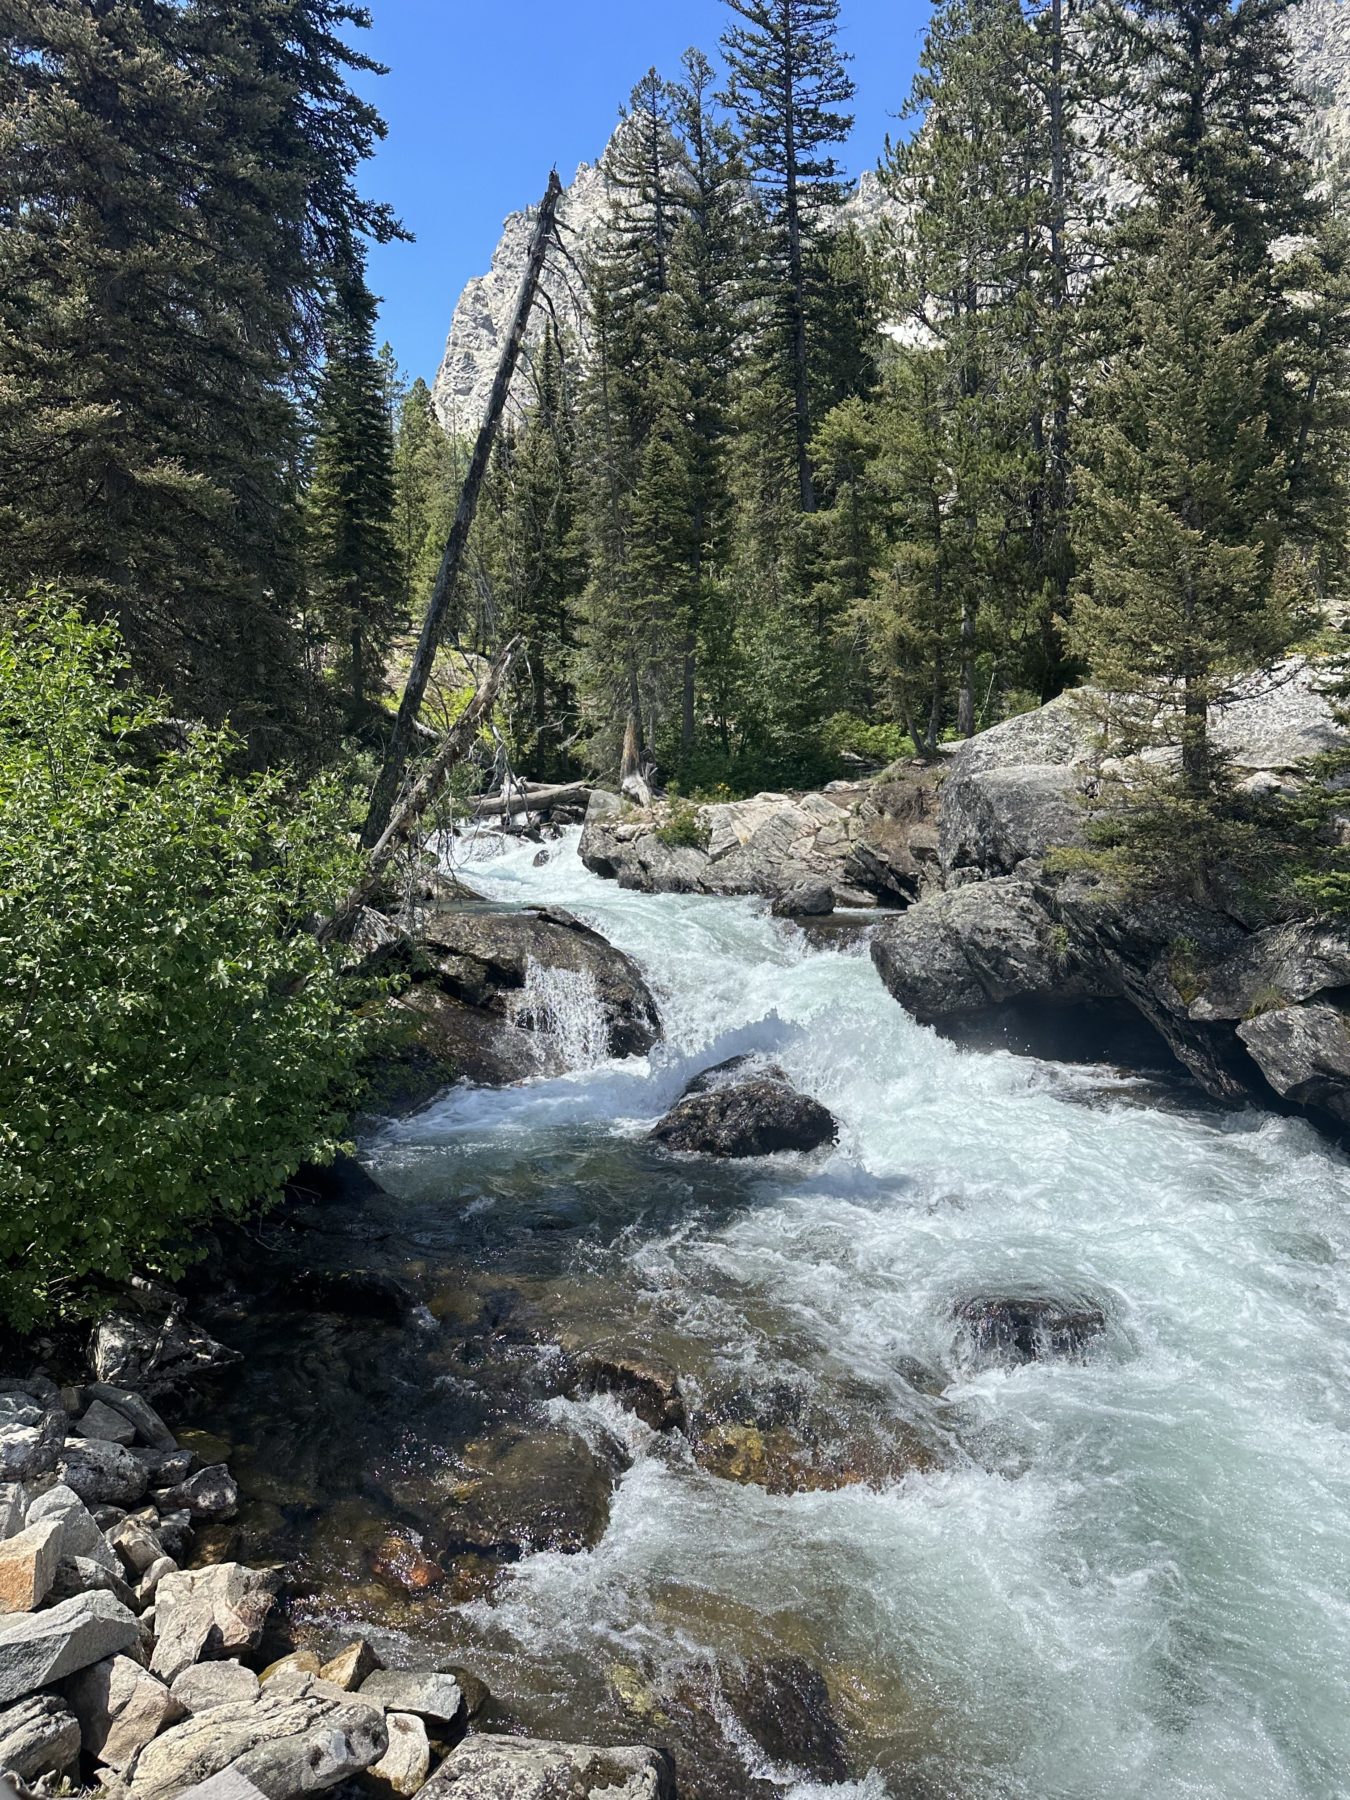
1125, 1576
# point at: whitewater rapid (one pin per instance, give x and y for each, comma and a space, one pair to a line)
1132, 1577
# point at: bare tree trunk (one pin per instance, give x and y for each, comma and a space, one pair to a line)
965, 705
391, 775
459, 740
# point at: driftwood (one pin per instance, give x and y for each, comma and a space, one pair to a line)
406, 822
531, 796
385, 794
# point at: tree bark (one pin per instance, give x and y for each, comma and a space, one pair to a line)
391, 775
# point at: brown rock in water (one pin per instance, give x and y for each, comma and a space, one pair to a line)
784, 1704
402, 1563
649, 1389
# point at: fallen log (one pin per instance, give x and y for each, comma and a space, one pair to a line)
532, 797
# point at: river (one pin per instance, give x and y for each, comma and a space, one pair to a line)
1125, 1575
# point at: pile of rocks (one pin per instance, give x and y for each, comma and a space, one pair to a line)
855, 844
125, 1670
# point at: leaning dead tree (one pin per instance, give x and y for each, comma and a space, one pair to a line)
406, 824
385, 793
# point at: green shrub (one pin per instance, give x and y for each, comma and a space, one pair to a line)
847, 735
684, 829
176, 1042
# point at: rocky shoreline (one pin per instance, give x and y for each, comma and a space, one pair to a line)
137, 1659
997, 943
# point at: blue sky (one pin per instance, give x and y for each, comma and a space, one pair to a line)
484, 96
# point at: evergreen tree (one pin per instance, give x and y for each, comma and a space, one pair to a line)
424, 495
1181, 497
789, 87
354, 574
175, 184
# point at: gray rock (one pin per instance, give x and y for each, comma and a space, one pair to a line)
405, 1766
154, 1356
299, 1736
487, 1768
80, 1535
13, 1507
32, 1431
228, 1785
978, 946
37, 1649
121, 1708
209, 1614
210, 1684
28, 1565
807, 900
1282, 965
80, 1575
760, 1117
1279, 719
150, 1428
1304, 1053
165, 1469
38, 1737
104, 1423
210, 1494
101, 1473
430, 1695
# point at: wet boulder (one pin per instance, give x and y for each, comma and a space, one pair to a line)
499, 996
536, 1490
805, 900
1025, 1330
784, 1704
487, 1768
645, 1387
762, 1116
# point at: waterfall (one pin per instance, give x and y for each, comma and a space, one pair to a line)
562, 1008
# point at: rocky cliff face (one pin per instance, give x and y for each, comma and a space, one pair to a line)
485, 307
1321, 33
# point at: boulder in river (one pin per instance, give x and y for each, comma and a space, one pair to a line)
784, 1704
1025, 1330
761, 1116
500, 995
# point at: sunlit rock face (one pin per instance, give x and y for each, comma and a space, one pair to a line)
1320, 30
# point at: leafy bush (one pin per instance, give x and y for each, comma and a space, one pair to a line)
847, 735
176, 1042
684, 829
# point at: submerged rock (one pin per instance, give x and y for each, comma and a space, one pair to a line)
1028, 1330
784, 1704
760, 1117
649, 1389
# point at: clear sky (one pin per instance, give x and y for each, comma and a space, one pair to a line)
484, 96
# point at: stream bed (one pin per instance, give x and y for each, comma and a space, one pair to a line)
1122, 1575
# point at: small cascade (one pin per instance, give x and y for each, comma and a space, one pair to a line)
562, 1008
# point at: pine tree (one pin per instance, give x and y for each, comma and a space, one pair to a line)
789, 87
424, 494
354, 574
174, 184
1181, 497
